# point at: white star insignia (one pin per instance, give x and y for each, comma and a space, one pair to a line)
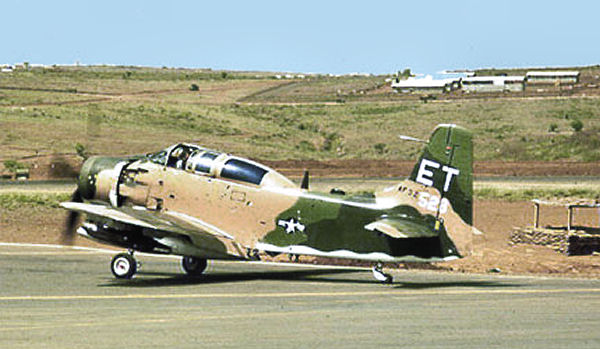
291, 225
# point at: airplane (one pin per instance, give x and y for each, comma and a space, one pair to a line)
203, 204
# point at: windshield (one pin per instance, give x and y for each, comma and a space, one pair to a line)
158, 157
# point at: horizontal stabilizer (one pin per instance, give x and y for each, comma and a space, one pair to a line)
399, 228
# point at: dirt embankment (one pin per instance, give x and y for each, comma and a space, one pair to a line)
392, 168
492, 249
61, 166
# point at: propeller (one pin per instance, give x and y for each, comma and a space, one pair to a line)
72, 221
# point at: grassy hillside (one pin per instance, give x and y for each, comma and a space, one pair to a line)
122, 110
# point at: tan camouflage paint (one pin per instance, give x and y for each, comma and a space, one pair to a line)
246, 209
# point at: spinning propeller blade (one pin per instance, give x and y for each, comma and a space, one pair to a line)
72, 221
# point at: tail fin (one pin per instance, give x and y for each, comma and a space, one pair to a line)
447, 165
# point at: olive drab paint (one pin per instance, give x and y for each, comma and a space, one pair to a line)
447, 165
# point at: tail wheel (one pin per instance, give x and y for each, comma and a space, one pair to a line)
193, 266
380, 275
123, 266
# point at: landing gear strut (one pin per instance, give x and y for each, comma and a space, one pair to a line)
380, 275
193, 266
124, 266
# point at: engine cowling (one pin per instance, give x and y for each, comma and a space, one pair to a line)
99, 177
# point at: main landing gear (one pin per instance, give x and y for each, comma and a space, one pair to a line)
380, 275
193, 266
124, 265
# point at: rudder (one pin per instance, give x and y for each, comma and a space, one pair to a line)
447, 165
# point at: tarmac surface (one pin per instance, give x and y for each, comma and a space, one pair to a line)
55, 297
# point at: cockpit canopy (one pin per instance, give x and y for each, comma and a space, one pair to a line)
202, 161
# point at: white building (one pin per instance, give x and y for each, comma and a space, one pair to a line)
493, 84
552, 77
425, 85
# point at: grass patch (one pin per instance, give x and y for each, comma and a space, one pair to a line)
320, 89
579, 146
530, 194
13, 201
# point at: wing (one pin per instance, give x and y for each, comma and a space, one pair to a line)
201, 238
171, 221
399, 228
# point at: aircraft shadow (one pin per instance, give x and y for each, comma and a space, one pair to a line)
449, 284
169, 279
155, 279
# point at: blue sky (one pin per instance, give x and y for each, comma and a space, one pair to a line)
303, 36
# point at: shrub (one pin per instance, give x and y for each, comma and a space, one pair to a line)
380, 148
13, 165
332, 142
194, 87
576, 125
306, 146
81, 151
553, 127
406, 73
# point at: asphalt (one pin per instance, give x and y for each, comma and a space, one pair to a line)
55, 297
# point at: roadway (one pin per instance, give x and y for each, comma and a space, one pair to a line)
55, 297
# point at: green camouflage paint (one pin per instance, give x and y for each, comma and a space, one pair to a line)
453, 147
332, 226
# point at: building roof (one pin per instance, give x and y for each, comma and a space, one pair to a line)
496, 80
547, 73
425, 82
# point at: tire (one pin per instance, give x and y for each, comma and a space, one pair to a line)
193, 266
123, 266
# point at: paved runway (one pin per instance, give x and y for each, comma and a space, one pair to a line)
67, 298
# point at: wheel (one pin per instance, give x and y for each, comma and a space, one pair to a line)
193, 266
380, 275
123, 266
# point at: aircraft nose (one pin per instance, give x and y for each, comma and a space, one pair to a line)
89, 176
